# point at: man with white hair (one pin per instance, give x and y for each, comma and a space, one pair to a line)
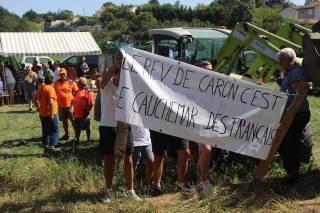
289, 149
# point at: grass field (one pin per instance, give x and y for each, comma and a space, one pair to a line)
74, 182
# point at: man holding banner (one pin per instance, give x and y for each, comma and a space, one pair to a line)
109, 93
289, 148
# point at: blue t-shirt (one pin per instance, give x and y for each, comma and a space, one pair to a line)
295, 73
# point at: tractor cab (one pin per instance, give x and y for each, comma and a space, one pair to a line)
190, 45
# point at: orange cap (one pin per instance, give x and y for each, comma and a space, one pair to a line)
63, 71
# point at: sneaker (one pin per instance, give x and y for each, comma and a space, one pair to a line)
65, 137
207, 186
132, 194
182, 188
46, 152
107, 196
155, 191
30, 110
53, 154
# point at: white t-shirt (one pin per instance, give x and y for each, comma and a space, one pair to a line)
108, 96
56, 74
40, 73
9, 77
140, 135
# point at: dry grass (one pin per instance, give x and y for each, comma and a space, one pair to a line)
74, 182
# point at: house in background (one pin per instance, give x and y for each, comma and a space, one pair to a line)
102, 9
290, 12
65, 22
309, 13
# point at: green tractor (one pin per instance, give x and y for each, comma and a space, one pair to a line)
246, 50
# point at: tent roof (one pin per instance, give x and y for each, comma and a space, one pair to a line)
49, 44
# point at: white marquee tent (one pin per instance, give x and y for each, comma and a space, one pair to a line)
49, 44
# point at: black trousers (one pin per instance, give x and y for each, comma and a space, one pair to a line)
289, 148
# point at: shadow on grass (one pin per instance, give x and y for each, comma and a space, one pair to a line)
6, 156
20, 142
86, 154
18, 112
55, 201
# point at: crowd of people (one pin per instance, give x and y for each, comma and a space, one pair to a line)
69, 98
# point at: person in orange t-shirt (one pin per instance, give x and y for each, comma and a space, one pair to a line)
83, 102
71, 72
46, 100
65, 89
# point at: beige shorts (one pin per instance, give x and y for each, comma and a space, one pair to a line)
65, 113
93, 83
11, 87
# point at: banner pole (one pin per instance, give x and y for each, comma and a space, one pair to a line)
262, 168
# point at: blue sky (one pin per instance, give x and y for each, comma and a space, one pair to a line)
87, 7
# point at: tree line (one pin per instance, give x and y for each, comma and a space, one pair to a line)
116, 20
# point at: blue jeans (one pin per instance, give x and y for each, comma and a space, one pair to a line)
50, 130
21, 88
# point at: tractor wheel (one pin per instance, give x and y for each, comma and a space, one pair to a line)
306, 144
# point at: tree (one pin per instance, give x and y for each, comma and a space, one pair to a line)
31, 15
177, 4
154, 2
4, 12
108, 4
243, 12
143, 22
273, 3
227, 12
309, 1
28, 26
64, 15
9, 24
268, 19
83, 20
260, 3
49, 19
107, 18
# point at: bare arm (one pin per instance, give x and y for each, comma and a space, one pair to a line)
295, 85
106, 78
51, 103
35, 101
87, 68
88, 112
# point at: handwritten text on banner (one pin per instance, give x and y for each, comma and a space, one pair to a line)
186, 101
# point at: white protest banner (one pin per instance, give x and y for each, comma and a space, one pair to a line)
189, 102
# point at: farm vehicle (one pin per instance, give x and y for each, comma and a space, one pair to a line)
246, 50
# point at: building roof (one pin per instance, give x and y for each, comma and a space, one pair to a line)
50, 44
295, 7
310, 5
102, 9
56, 22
